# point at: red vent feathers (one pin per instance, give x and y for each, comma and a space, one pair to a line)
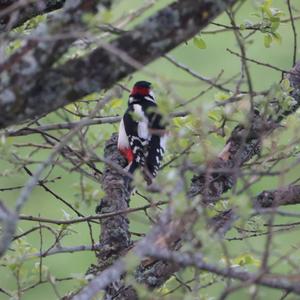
127, 153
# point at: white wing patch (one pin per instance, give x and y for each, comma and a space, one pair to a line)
142, 129
122, 138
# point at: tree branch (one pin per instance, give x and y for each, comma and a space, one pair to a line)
9, 232
16, 13
9, 222
115, 237
242, 145
287, 283
218, 177
31, 62
106, 65
287, 195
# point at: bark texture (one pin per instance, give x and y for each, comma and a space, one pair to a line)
284, 196
15, 13
217, 178
106, 65
115, 238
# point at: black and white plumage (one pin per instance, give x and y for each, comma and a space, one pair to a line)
142, 134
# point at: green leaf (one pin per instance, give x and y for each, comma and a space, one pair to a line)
246, 259
268, 3
277, 38
214, 115
180, 121
275, 25
267, 40
285, 84
115, 103
266, 8
221, 96
199, 43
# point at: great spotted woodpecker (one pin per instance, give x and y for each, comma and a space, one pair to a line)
142, 134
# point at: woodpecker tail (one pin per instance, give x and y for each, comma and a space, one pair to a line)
148, 176
145, 171
128, 181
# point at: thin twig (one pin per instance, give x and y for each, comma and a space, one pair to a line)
294, 31
90, 218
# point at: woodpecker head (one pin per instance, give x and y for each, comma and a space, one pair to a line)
142, 91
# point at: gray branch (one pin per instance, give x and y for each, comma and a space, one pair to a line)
115, 237
143, 249
15, 13
243, 144
106, 65
115, 234
195, 260
287, 195
218, 177
29, 64
9, 222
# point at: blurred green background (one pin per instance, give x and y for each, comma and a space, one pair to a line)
208, 62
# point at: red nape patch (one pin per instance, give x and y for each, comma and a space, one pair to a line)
144, 91
127, 153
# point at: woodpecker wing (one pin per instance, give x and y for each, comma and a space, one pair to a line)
142, 136
157, 142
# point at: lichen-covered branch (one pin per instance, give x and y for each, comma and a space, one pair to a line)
218, 178
9, 221
287, 283
30, 64
276, 281
9, 231
115, 237
242, 145
106, 65
16, 13
114, 231
286, 195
